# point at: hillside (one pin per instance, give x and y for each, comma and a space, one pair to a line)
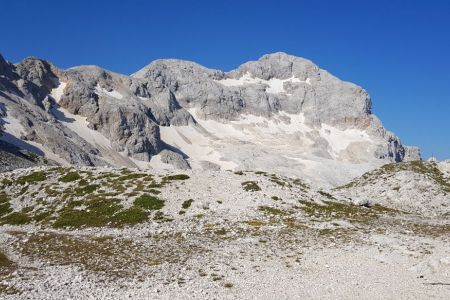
127, 233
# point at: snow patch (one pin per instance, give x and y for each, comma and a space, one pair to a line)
340, 139
57, 92
113, 93
79, 125
275, 85
195, 144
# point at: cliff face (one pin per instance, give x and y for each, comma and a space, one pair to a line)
280, 113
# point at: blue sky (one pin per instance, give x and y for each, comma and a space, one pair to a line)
398, 50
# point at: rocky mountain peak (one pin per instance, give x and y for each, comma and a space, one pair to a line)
280, 112
278, 65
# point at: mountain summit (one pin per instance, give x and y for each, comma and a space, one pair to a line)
280, 113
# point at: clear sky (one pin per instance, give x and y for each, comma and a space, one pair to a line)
398, 50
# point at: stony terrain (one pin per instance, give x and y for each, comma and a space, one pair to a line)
114, 233
418, 186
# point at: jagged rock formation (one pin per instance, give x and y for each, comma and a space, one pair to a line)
280, 113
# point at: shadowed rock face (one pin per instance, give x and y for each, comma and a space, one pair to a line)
129, 111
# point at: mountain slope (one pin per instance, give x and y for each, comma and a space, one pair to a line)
281, 113
418, 186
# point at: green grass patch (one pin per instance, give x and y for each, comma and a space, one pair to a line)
5, 206
187, 203
99, 212
330, 210
255, 223
176, 177
131, 216
153, 191
327, 195
88, 189
4, 261
131, 176
22, 191
32, 178
272, 211
250, 186
16, 218
149, 202
161, 217
69, 177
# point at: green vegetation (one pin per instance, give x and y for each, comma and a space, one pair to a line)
339, 210
96, 213
277, 180
255, 223
186, 204
176, 177
153, 191
250, 186
5, 207
325, 194
32, 178
272, 211
69, 177
16, 218
6, 182
131, 216
131, 176
300, 183
4, 261
88, 189
161, 217
99, 211
221, 231
154, 262
22, 191
51, 192
149, 202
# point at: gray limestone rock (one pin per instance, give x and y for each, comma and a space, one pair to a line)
175, 159
129, 110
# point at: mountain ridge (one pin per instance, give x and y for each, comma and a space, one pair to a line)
178, 106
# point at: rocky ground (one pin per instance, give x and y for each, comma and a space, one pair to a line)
103, 233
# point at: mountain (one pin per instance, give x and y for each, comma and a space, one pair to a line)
280, 113
287, 174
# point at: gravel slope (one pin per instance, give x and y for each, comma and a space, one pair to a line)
248, 235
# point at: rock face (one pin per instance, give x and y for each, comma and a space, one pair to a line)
280, 113
174, 159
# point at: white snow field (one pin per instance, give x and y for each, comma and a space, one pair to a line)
274, 85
